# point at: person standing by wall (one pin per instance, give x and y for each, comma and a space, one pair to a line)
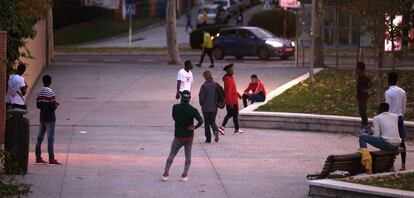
207, 49
363, 84
184, 79
255, 92
183, 115
208, 102
46, 102
231, 99
397, 100
17, 88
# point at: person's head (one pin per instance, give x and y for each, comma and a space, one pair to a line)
392, 78
188, 65
229, 69
360, 67
207, 75
383, 107
254, 78
185, 96
21, 68
47, 80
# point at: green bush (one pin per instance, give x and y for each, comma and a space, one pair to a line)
272, 20
196, 37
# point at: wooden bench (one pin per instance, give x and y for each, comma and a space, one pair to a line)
382, 161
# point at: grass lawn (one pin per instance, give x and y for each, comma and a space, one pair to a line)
395, 181
334, 93
98, 29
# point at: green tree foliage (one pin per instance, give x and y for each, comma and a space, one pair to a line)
17, 18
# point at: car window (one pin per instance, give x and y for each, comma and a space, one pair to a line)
260, 33
228, 32
222, 3
246, 34
211, 11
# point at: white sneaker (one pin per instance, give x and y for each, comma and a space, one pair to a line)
184, 179
239, 132
164, 178
221, 130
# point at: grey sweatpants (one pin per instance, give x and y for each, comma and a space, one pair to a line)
175, 147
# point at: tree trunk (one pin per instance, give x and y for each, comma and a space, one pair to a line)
317, 40
172, 45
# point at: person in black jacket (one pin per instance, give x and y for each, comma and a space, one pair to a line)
208, 102
46, 102
183, 115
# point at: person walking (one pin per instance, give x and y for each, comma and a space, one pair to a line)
239, 18
363, 85
231, 100
207, 49
184, 79
396, 97
17, 88
255, 92
208, 102
189, 24
46, 102
183, 115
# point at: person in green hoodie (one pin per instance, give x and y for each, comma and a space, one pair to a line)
183, 115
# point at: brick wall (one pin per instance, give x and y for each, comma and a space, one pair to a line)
2, 85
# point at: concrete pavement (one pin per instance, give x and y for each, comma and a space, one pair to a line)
114, 132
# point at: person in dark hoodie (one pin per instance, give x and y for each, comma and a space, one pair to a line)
208, 102
183, 115
46, 102
255, 92
231, 99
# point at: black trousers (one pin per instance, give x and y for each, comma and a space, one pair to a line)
210, 121
253, 98
232, 111
209, 52
362, 108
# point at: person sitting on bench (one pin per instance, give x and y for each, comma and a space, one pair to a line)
385, 136
255, 92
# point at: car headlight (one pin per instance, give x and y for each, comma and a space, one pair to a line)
293, 44
274, 43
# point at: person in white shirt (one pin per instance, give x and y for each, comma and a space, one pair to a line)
385, 136
397, 99
16, 88
184, 79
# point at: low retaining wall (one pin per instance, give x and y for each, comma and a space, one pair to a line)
334, 188
249, 118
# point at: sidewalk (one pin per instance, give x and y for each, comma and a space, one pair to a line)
114, 132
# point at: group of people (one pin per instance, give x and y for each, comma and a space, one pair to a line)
212, 96
388, 131
45, 102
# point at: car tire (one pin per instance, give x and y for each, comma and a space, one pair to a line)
218, 53
239, 57
263, 53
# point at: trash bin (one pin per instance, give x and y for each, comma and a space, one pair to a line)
17, 142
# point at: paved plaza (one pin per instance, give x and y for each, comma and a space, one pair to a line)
114, 132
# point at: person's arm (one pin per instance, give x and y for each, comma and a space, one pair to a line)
388, 98
248, 89
179, 78
404, 104
173, 112
201, 95
377, 129
199, 119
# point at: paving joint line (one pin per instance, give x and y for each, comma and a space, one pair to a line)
214, 168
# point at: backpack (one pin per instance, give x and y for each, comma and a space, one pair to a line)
220, 96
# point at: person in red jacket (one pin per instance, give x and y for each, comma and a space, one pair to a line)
255, 92
231, 99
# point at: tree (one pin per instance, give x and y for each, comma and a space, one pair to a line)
172, 45
18, 18
377, 20
317, 55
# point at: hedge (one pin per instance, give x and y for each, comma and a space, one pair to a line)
272, 20
196, 37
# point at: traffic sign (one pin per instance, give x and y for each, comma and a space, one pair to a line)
130, 9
